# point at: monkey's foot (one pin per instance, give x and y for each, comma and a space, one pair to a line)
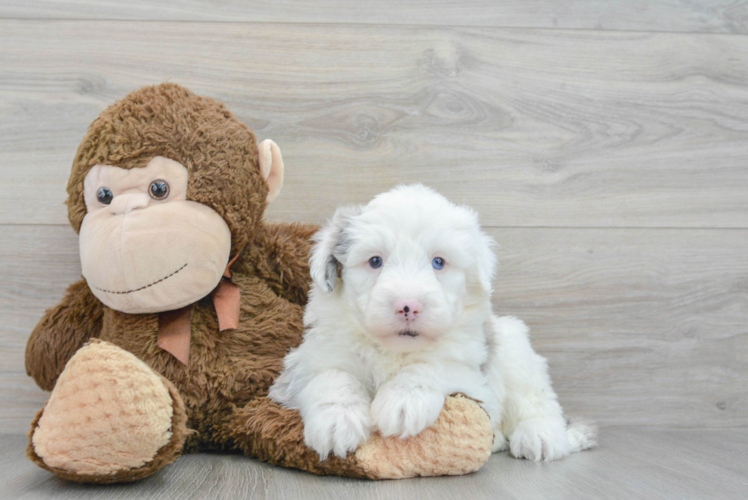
110, 418
458, 443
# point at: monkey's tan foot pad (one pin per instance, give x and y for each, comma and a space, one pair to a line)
110, 418
458, 443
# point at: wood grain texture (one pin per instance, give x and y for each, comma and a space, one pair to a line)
631, 463
532, 127
712, 16
645, 327
641, 327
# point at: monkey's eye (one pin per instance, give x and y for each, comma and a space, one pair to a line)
375, 262
104, 195
159, 189
438, 263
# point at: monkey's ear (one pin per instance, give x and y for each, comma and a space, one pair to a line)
271, 167
331, 245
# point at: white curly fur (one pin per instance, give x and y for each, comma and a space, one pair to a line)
367, 363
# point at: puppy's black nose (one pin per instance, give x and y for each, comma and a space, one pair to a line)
406, 309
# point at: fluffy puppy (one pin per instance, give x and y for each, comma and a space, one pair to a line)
398, 318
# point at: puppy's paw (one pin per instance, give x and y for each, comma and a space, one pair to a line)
540, 439
499, 442
397, 411
337, 428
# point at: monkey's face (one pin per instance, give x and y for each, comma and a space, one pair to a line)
144, 247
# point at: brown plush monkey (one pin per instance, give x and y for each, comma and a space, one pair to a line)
188, 305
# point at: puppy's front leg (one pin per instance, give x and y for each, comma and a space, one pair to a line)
335, 409
408, 403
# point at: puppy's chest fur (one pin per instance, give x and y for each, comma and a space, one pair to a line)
374, 366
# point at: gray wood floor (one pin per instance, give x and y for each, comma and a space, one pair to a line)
604, 144
631, 463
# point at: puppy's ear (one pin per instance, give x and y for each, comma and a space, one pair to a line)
330, 241
485, 261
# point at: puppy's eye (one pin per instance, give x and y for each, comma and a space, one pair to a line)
104, 195
438, 263
375, 262
159, 189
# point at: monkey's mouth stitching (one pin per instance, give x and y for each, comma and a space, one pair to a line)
143, 287
408, 334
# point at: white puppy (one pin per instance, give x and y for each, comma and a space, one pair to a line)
399, 317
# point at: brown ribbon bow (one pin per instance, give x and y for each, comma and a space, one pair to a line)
174, 327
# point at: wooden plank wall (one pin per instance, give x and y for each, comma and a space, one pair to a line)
603, 143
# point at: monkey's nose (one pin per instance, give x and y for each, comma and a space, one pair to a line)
124, 203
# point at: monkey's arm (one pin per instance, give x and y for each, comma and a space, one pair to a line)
280, 256
61, 332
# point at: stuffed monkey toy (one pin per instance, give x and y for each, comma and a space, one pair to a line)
189, 301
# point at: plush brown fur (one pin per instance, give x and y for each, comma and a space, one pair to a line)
223, 390
61, 332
